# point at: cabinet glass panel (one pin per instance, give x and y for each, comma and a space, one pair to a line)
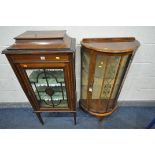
49, 87
120, 74
111, 66
85, 73
107, 77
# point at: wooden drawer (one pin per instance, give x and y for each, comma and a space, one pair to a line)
39, 58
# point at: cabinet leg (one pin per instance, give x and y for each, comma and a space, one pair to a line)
74, 117
101, 119
40, 118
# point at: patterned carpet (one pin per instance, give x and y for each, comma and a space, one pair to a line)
123, 118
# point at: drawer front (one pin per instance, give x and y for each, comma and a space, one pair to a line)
39, 58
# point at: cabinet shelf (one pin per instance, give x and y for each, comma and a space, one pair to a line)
47, 104
56, 97
53, 85
52, 77
56, 88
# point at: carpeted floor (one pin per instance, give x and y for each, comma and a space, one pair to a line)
122, 118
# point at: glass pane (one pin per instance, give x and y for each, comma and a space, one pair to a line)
100, 67
49, 87
121, 71
110, 75
85, 73
105, 73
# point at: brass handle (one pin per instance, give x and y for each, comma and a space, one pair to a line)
42, 58
57, 58
25, 66
90, 89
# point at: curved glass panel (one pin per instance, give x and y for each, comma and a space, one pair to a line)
107, 77
85, 74
120, 75
110, 75
101, 61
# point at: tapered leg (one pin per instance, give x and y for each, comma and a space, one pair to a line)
40, 118
101, 119
74, 117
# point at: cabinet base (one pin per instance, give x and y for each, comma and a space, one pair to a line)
98, 108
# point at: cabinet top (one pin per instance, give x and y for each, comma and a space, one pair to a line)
34, 41
37, 35
111, 45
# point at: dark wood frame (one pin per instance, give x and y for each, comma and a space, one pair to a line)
93, 51
21, 59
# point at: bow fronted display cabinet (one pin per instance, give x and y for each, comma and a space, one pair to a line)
44, 63
104, 64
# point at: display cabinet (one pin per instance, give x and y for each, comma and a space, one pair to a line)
44, 63
105, 62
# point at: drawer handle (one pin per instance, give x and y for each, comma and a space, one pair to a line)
42, 58
57, 58
25, 66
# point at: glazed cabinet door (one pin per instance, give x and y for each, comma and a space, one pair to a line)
49, 85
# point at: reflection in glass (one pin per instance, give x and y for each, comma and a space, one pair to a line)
49, 87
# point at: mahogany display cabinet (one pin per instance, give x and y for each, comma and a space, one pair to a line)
104, 65
44, 63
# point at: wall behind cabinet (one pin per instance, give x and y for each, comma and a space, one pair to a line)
139, 84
